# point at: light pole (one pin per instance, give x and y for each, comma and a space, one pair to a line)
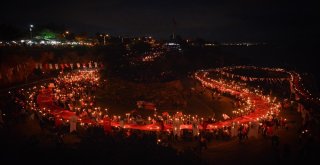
104, 38
65, 34
30, 28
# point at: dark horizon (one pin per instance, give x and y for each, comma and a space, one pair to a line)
248, 20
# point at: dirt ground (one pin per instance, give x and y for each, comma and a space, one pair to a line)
120, 97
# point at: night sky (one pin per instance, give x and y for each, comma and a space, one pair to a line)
219, 20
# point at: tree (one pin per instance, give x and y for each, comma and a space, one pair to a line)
140, 46
9, 33
47, 34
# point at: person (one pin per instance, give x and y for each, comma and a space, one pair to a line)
32, 116
240, 133
203, 143
73, 123
122, 123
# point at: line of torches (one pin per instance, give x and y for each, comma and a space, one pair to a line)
292, 76
237, 88
75, 82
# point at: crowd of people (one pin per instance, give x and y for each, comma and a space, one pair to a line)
75, 91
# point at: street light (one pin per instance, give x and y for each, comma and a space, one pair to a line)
65, 34
104, 38
30, 28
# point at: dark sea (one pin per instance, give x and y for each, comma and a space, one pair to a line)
303, 58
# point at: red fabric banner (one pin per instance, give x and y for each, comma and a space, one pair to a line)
107, 124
